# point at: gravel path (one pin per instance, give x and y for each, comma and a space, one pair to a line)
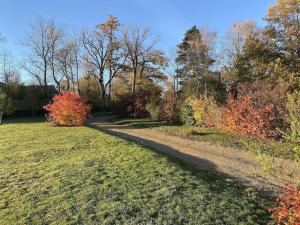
237, 165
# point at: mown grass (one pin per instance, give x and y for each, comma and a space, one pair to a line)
51, 175
274, 148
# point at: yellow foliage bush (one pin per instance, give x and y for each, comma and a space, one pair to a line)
205, 111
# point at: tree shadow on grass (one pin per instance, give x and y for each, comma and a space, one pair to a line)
197, 133
217, 182
199, 167
17, 120
113, 121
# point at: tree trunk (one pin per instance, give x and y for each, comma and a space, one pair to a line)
54, 77
110, 66
102, 94
56, 81
109, 94
45, 78
134, 82
77, 75
68, 84
109, 86
205, 88
1, 114
103, 99
32, 113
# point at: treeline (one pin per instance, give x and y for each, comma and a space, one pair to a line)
254, 91
245, 86
93, 63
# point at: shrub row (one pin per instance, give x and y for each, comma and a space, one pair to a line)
244, 115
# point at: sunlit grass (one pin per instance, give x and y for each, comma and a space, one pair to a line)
270, 147
52, 175
213, 136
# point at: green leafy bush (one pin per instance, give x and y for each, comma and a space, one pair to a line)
6, 105
186, 115
293, 133
293, 108
153, 107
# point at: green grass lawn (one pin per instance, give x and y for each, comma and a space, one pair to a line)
213, 136
51, 175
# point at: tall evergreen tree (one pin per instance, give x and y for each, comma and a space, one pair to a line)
194, 62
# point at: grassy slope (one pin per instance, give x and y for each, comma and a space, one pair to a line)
83, 176
274, 148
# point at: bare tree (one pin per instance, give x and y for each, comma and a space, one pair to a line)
104, 55
116, 63
76, 59
68, 59
96, 57
8, 70
55, 37
109, 30
63, 58
142, 57
234, 40
37, 62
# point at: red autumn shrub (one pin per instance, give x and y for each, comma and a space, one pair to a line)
244, 116
68, 109
288, 210
168, 110
266, 93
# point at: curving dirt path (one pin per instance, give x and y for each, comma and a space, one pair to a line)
237, 165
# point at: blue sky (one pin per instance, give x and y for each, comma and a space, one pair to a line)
168, 19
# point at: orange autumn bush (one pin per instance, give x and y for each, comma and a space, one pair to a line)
68, 109
244, 116
288, 210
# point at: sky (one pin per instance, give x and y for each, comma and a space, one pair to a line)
167, 19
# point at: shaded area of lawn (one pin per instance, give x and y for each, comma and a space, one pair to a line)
139, 122
83, 176
28, 119
213, 136
94, 114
